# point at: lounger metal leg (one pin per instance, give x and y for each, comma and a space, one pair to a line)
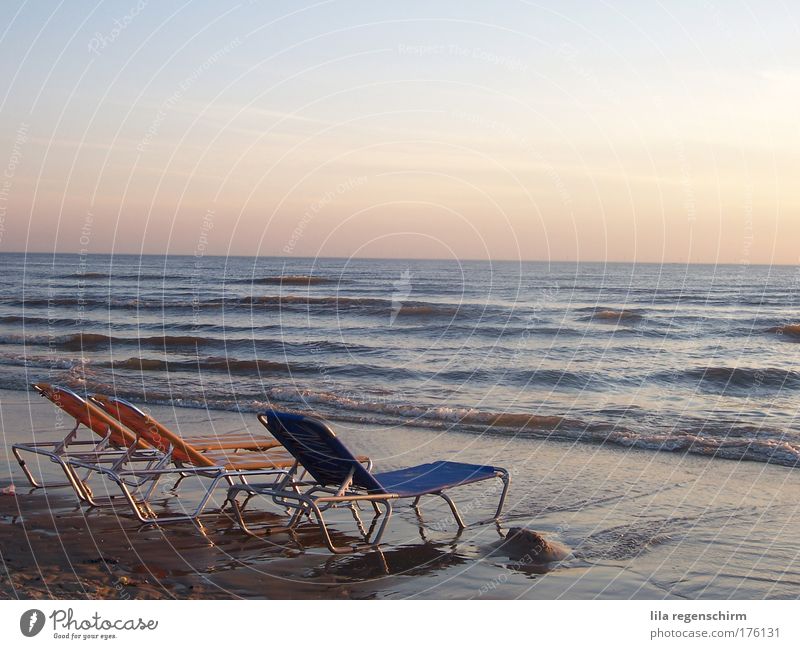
304, 504
388, 515
506, 478
239, 516
359, 523
26, 471
140, 503
57, 450
296, 517
80, 488
233, 487
369, 544
283, 493
323, 528
247, 501
197, 511
71, 479
239, 512
65, 461
453, 508
148, 494
137, 507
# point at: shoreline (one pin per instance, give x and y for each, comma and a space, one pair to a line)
534, 428
636, 524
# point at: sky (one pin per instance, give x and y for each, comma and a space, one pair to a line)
618, 131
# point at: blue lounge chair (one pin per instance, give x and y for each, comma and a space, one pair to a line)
340, 479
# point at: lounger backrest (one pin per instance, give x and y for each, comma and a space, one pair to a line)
151, 430
87, 414
318, 450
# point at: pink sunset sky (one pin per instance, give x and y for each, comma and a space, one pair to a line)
581, 131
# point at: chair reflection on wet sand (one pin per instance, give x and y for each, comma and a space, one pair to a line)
340, 480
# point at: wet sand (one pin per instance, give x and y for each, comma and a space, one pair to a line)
632, 524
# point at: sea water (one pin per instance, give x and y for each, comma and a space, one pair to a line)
682, 358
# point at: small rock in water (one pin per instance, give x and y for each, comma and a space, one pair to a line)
523, 543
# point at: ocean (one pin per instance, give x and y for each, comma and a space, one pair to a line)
696, 359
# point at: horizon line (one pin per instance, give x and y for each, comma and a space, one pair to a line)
468, 259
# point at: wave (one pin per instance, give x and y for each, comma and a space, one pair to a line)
407, 414
91, 341
145, 276
254, 367
318, 355
551, 379
81, 341
284, 280
341, 407
216, 364
94, 341
170, 341
445, 329
369, 305
790, 331
271, 280
19, 319
710, 439
610, 315
741, 377
119, 276
330, 304
336, 301
423, 310
88, 275
84, 302
41, 362
517, 421
69, 342
767, 451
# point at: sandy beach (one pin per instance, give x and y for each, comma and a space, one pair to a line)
636, 524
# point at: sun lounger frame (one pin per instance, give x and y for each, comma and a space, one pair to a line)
106, 449
141, 506
313, 498
109, 457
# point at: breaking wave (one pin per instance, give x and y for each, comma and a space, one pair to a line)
708, 439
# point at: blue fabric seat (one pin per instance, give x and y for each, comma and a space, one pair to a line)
432, 477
